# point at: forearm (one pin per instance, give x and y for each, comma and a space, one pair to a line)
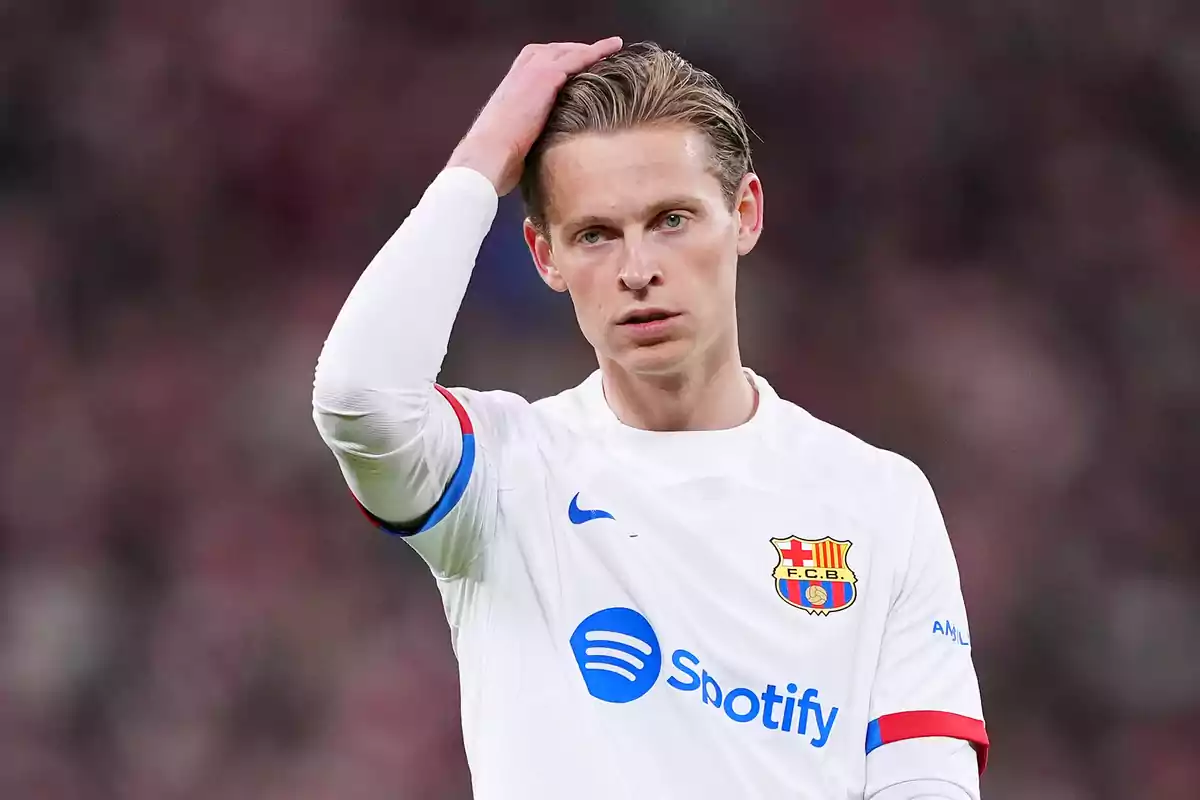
374, 401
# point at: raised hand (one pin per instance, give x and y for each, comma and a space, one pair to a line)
513, 118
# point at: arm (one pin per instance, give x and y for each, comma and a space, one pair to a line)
927, 736
397, 440
406, 447
925, 769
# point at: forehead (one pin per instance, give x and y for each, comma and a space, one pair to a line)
614, 174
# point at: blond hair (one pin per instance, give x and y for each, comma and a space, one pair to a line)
641, 85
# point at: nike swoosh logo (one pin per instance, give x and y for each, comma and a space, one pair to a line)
578, 515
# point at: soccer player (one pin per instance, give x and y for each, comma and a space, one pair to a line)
668, 581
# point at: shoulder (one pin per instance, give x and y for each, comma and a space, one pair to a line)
493, 417
846, 463
487, 405
877, 492
506, 414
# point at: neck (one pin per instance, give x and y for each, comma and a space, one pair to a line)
705, 397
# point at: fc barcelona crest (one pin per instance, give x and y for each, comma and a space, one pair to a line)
814, 575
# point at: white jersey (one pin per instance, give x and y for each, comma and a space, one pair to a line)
771, 610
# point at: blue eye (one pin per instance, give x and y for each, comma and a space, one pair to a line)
673, 221
590, 237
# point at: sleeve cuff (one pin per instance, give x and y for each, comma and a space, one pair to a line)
467, 180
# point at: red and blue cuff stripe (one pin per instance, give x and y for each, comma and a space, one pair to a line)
454, 489
920, 724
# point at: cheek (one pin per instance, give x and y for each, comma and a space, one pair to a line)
586, 290
580, 283
711, 273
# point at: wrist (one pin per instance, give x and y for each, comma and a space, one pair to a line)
487, 160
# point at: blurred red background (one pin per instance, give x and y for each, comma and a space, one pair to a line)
982, 250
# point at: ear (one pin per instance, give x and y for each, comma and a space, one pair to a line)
749, 208
543, 257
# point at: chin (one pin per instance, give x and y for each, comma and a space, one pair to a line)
654, 359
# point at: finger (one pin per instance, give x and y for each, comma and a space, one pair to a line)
606, 47
559, 50
575, 57
601, 49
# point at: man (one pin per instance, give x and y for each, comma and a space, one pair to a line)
667, 581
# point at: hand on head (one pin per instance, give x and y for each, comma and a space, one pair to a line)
515, 114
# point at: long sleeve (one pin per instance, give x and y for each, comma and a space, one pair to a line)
925, 708
927, 718
401, 441
930, 768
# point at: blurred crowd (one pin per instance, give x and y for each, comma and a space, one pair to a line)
982, 250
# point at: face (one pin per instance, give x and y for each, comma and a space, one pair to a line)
643, 239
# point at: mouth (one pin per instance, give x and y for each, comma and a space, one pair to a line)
647, 316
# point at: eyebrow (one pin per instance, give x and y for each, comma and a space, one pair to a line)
653, 210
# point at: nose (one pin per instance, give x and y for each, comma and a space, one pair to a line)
637, 271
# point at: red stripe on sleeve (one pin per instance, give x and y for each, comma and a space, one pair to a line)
464, 420
919, 724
